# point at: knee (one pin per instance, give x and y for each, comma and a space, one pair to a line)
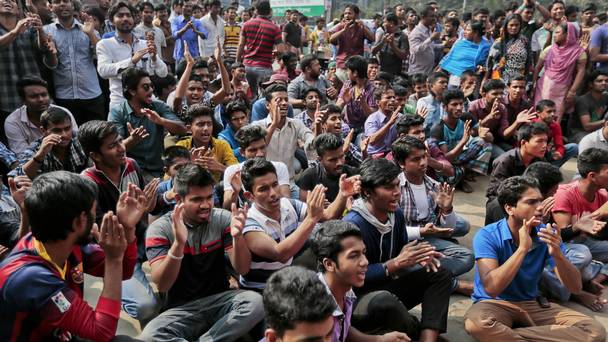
579, 255
476, 323
384, 304
249, 303
462, 227
145, 309
595, 330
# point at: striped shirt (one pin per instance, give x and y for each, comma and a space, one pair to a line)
232, 35
261, 35
293, 213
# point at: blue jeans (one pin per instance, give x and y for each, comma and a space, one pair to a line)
254, 76
138, 298
571, 152
224, 316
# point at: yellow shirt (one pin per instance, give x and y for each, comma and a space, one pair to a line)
221, 152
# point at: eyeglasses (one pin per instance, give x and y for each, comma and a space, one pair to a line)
148, 86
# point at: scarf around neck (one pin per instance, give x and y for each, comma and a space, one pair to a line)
360, 207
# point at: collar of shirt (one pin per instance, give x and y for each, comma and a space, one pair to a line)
122, 41
75, 24
270, 223
24, 118
506, 235
349, 297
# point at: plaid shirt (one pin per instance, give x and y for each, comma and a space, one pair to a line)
7, 157
408, 203
76, 162
16, 60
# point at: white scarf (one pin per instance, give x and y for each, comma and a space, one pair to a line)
384, 228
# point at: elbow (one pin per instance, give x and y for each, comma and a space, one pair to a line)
243, 269
449, 172
577, 287
491, 291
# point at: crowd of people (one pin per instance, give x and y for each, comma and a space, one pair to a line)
232, 175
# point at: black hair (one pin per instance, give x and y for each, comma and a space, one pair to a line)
95, 12
287, 56
436, 76
254, 168
353, 7
477, 27
428, 10
373, 60
590, 6
555, 2
527, 131
407, 121
455, 94
419, 79
160, 7
263, 7
196, 7
591, 160
326, 241
295, 295
54, 115
273, 88
401, 81
454, 21
517, 78
27, 81
542, 104
327, 142
234, 107
493, 85
482, 10
308, 90
55, 200
597, 73
376, 173
199, 63
392, 18
217, 3
570, 9
142, 5
130, 80
511, 190
191, 175
357, 64
306, 61
403, 146
198, 110
92, 133
248, 134
161, 83
172, 153
399, 90
383, 75
547, 175
117, 6
177, 2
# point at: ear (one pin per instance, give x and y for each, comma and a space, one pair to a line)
79, 223
271, 335
249, 196
509, 209
329, 265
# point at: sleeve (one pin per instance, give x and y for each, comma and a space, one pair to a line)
437, 133
7, 156
534, 44
504, 120
419, 42
483, 246
596, 38
558, 139
563, 202
105, 65
293, 90
252, 225
581, 106
227, 156
278, 38
305, 134
39, 290
201, 28
174, 29
228, 173
282, 173
16, 141
371, 126
158, 241
158, 67
116, 117
306, 180
163, 39
165, 111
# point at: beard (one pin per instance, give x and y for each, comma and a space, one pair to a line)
86, 237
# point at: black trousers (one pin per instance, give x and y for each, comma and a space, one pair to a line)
384, 308
85, 110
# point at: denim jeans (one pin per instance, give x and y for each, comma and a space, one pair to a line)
224, 316
571, 152
254, 76
138, 298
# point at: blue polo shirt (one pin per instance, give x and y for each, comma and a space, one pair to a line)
496, 242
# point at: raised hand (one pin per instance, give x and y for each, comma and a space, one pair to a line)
550, 235
494, 112
350, 186
347, 96
414, 253
444, 197
217, 53
150, 194
589, 225
235, 182
180, 232
18, 187
237, 222
137, 134
467, 131
547, 206
131, 206
22, 25
139, 54
89, 24
112, 237
423, 111
152, 116
49, 45
525, 240
315, 201
47, 145
430, 229
187, 55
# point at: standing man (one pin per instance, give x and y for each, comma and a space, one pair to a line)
391, 46
124, 50
256, 45
165, 27
232, 34
598, 46
424, 41
292, 33
146, 28
349, 37
187, 29
75, 80
214, 25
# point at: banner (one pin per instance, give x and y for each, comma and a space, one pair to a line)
310, 8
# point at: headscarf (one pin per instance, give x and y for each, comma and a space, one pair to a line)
561, 60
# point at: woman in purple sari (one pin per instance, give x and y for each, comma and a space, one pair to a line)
564, 69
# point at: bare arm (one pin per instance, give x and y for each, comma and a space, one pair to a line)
595, 55
496, 278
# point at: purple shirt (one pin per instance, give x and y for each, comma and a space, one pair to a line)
599, 38
373, 124
355, 117
341, 318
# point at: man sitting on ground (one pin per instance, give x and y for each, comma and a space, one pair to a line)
557, 153
510, 256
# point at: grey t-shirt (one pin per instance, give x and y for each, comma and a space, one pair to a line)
587, 105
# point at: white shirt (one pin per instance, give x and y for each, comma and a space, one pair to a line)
21, 132
206, 47
282, 174
421, 199
114, 56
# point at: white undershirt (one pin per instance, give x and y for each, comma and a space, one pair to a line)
421, 200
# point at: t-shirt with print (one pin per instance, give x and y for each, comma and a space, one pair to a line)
586, 104
317, 175
568, 199
203, 268
293, 213
294, 34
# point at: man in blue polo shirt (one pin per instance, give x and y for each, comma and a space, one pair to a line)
510, 256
